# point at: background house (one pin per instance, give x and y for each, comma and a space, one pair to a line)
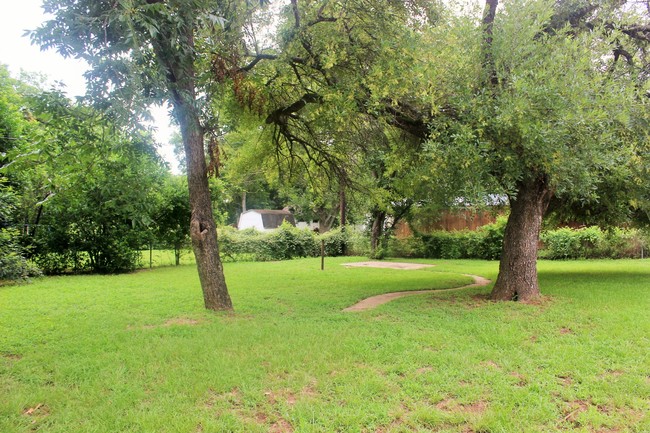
264, 219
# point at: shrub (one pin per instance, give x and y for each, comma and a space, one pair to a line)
13, 265
337, 242
624, 243
287, 242
411, 247
562, 243
489, 240
592, 242
484, 243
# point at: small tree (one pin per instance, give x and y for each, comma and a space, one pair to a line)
171, 216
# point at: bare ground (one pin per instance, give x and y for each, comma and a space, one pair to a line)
387, 265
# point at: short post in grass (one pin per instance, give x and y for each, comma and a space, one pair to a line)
322, 254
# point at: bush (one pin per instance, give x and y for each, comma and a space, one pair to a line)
487, 242
625, 243
563, 243
410, 247
287, 242
593, 242
336, 242
484, 243
13, 265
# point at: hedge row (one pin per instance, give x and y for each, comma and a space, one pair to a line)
486, 243
285, 243
593, 242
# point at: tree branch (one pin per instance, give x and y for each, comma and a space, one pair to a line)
296, 13
279, 116
256, 59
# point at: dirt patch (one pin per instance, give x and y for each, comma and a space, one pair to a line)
387, 265
11, 356
175, 321
183, 321
233, 402
452, 406
281, 426
573, 411
521, 379
565, 380
611, 373
281, 396
232, 398
375, 301
491, 364
38, 410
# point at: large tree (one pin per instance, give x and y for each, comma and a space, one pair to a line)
549, 113
155, 51
536, 101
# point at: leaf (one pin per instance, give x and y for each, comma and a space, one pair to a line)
221, 21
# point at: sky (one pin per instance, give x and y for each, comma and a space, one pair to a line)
18, 54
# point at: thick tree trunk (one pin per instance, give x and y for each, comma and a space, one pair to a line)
517, 278
203, 230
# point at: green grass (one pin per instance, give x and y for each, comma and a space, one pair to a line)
138, 353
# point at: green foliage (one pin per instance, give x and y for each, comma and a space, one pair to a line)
408, 247
553, 109
85, 184
485, 243
336, 242
287, 242
172, 215
13, 265
593, 242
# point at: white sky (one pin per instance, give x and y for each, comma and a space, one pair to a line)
18, 54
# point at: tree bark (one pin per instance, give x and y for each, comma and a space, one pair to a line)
203, 230
343, 210
517, 279
377, 230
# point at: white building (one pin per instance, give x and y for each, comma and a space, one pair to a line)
264, 219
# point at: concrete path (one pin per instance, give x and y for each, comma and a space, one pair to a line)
375, 301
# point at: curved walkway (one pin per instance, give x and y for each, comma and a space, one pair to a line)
375, 301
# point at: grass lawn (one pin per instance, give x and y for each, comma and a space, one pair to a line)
138, 353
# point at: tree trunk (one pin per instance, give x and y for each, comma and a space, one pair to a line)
203, 230
243, 201
343, 210
376, 232
177, 253
325, 220
343, 206
517, 279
